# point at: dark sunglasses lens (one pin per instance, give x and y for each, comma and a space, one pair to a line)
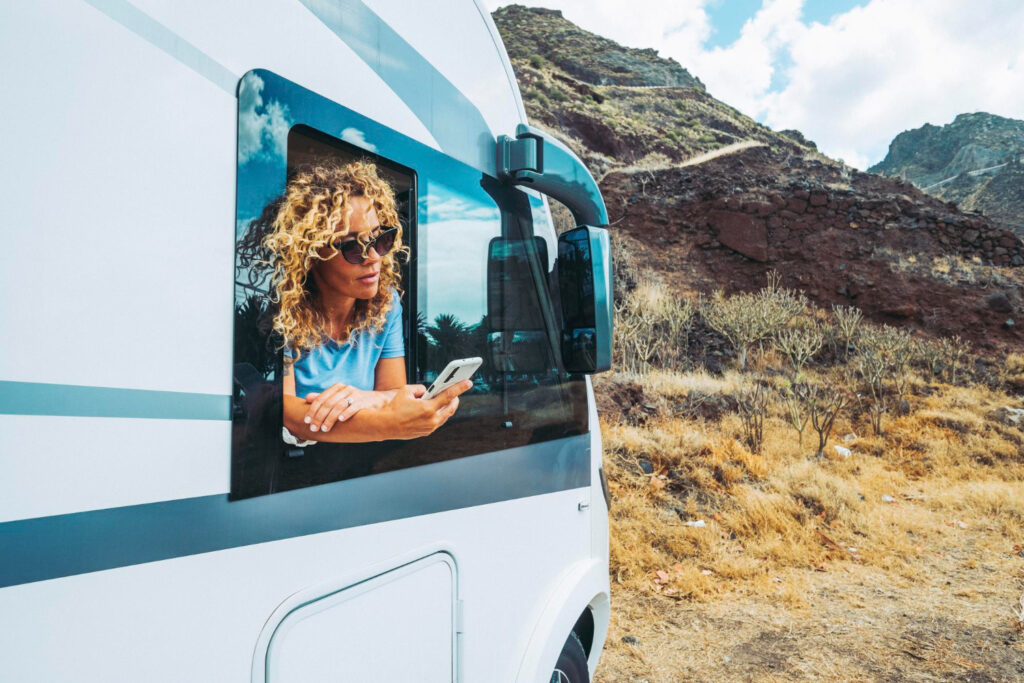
385, 241
352, 251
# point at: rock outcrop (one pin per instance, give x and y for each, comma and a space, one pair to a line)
976, 161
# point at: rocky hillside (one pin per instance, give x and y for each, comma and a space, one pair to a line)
976, 161
703, 197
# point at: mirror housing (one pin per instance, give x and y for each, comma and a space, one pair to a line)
585, 286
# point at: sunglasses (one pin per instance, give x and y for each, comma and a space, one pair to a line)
355, 251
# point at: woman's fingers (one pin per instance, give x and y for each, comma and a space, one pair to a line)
335, 415
345, 404
317, 399
316, 415
452, 392
450, 409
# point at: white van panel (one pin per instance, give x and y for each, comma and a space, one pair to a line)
399, 626
115, 222
198, 618
252, 35
470, 59
58, 465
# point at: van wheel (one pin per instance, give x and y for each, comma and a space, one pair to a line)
572, 663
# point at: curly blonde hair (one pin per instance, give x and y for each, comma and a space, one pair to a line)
315, 204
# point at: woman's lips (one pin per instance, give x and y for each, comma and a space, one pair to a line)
369, 279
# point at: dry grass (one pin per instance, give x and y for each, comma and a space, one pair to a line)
943, 478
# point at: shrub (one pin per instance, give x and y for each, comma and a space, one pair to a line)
848, 320
883, 356
796, 409
953, 350
748, 319
753, 405
652, 326
822, 405
800, 345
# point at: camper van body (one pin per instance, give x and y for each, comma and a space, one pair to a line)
122, 555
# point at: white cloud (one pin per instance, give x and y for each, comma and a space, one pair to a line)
451, 207
357, 138
742, 72
896, 64
850, 85
262, 129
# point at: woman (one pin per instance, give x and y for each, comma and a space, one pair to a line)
333, 245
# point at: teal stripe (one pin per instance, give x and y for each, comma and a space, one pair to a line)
32, 398
64, 545
158, 35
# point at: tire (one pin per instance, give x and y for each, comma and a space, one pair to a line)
572, 663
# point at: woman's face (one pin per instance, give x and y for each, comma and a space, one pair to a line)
338, 276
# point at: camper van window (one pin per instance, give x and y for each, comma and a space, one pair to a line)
437, 263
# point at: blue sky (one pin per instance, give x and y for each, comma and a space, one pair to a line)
849, 74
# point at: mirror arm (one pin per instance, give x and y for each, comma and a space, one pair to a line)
535, 159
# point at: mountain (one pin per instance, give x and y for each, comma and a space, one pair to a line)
622, 105
976, 161
702, 197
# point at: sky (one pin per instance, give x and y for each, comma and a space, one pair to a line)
849, 74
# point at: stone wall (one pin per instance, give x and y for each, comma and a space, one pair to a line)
766, 227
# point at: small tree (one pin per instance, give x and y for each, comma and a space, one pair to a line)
848, 320
796, 412
901, 351
736, 319
931, 354
823, 406
954, 350
884, 355
652, 327
753, 405
800, 345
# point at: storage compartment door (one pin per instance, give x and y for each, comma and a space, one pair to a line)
396, 626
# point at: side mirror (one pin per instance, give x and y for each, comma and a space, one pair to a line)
585, 289
535, 159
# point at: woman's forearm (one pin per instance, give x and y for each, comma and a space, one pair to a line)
366, 425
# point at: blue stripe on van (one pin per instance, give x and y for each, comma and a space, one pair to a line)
158, 35
33, 398
66, 545
452, 119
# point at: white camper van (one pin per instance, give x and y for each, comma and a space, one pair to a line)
154, 523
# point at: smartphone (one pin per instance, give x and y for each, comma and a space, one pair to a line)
455, 372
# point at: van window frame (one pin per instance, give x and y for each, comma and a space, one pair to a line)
315, 115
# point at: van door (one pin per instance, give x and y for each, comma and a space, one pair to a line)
396, 626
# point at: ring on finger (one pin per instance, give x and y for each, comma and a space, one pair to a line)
350, 401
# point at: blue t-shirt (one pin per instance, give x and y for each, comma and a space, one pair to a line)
353, 362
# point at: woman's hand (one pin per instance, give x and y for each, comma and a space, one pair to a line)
338, 403
409, 416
